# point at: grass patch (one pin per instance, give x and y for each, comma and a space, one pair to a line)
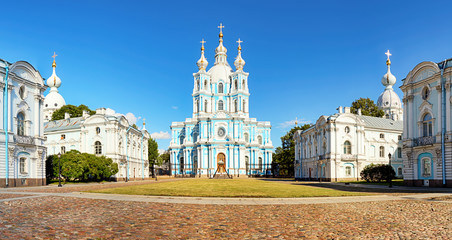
228, 188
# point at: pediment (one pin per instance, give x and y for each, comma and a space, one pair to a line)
425, 106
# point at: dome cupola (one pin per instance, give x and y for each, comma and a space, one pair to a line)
388, 79
220, 51
202, 62
54, 80
239, 62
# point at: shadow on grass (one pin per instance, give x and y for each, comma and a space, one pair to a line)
362, 187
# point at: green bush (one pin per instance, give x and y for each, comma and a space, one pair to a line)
377, 172
76, 166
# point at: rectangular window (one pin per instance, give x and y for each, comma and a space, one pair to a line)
22, 165
399, 152
348, 171
63, 150
63, 136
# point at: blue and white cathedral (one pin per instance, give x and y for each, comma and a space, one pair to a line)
220, 138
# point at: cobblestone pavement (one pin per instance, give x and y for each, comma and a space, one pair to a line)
45, 216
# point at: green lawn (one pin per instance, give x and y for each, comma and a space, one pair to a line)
228, 188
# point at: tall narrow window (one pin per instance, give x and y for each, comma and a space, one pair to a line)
22, 165
426, 167
236, 84
236, 107
347, 147
98, 147
205, 105
63, 150
182, 164
205, 85
399, 152
259, 139
244, 106
260, 163
382, 151
220, 105
348, 171
220, 88
98, 130
247, 138
427, 126
22, 92
243, 84
20, 124
247, 163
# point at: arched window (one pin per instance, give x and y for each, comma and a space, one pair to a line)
220, 105
197, 105
382, 135
205, 105
243, 84
260, 163
20, 124
247, 137
347, 147
382, 151
259, 139
427, 125
220, 88
236, 84
98, 147
197, 85
98, 130
205, 85
244, 106
236, 107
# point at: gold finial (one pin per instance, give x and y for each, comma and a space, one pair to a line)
221, 30
144, 121
202, 46
240, 47
296, 121
388, 62
54, 56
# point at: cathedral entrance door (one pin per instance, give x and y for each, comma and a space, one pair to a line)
221, 159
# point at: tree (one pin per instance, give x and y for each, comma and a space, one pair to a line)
76, 166
367, 106
377, 172
73, 111
153, 153
284, 156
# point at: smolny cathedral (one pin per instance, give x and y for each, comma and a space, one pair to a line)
220, 137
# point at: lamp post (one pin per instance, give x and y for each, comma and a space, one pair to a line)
59, 170
390, 172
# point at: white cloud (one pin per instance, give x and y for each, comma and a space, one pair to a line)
291, 123
174, 107
161, 135
129, 116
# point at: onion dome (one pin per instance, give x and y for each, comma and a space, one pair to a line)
239, 62
388, 79
54, 100
220, 51
54, 80
202, 62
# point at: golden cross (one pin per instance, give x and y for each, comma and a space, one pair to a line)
202, 42
388, 54
221, 27
239, 41
54, 56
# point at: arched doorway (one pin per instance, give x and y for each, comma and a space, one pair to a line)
221, 161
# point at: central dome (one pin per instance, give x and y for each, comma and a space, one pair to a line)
389, 99
220, 72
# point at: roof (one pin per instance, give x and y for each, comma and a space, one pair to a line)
382, 123
63, 124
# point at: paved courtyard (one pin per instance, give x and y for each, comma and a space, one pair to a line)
62, 213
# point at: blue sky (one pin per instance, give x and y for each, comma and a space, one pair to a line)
304, 58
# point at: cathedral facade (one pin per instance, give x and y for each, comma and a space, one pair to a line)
220, 138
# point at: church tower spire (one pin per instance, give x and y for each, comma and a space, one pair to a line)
389, 101
54, 82
220, 51
239, 62
202, 62
53, 100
